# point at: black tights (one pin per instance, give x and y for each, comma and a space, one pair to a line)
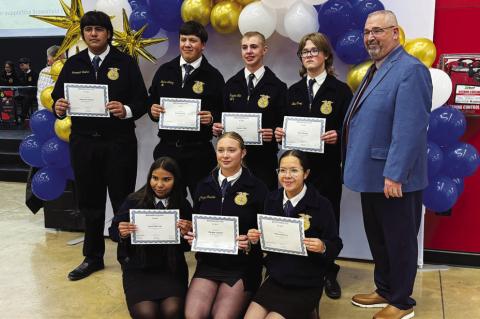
168, 308
210, 299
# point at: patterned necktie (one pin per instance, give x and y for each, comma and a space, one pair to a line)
160, 205
288, 208
251, 76
224, 187
188, 69
96, 63
311, 82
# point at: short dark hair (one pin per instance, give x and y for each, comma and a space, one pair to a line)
302, 158
99, 18
24, 60
194, 28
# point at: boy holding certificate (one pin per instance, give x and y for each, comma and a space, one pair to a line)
155, 277
295, 283
319, 94
256, 89
224, 283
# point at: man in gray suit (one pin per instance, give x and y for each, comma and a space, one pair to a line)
384, 150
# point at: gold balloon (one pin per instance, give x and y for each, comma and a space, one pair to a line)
63, 128
423, 49
71, 22
196, 10
224, 16
401, 36
356, 74
245, 2
46, 98
57, 66
131, 41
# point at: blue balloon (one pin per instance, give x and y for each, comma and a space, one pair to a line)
446, 125
56, 153
167, 13
48, 183
134, 4
434, 159
350, 48
335, 17
460, 160
362, 8
139, 18
441, 194
42, 124
459, 183
31, 151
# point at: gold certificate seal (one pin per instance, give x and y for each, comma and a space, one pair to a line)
326, 107
198, 87
241, 198
263, 101
113, 74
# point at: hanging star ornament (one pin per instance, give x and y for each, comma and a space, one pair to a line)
71, 22
132, 43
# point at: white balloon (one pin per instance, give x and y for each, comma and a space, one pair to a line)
314, 2
442, 87
280, 27
79, 46
114, 8
257, 17
299, 20
278, 4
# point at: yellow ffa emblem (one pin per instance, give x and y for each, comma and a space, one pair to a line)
263, 101
198, 87
241, 198
10, 80
306, 220
113, 74
326, 107
29, 79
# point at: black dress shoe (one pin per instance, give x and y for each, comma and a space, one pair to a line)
332, 288
86, 268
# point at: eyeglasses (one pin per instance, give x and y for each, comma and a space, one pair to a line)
376, 31
293, 171
305, 53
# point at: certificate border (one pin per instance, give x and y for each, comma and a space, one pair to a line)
303, 119
259, 125
66, 86
196, 217
261, 217
175, 212
161, 126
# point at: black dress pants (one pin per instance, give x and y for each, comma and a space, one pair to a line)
392, 227
102, 164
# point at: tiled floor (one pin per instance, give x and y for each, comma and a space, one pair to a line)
34, 262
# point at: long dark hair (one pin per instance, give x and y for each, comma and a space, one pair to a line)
302, 158
11, 65
146, 196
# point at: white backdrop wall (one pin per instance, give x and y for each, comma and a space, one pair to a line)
223, 51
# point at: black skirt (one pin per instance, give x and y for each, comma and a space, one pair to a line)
149, 285
290, 302
251, 277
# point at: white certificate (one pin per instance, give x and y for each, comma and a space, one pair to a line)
88, 100
155, 226
180, 114
215, 234
248, 125
303, 133
282, 234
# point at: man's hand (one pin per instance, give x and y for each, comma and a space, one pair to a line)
330, 137
61, 106
117, 109
279, 134
392, 188
217, 129
267, 134
206, 117
156, 109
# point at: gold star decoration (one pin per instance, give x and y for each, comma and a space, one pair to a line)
71, 22
132, 43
